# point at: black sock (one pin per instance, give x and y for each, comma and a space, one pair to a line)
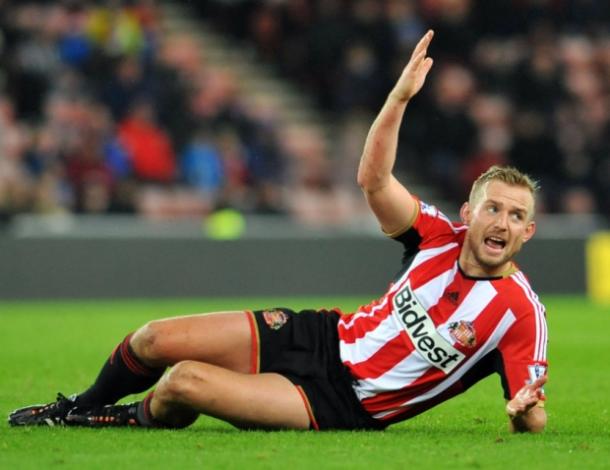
122, 374
144, 416
178, 419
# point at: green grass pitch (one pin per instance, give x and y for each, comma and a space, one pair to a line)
59, 346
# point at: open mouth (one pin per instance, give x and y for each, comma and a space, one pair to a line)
496, 244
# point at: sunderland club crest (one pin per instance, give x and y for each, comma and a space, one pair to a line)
275, 318
463, 333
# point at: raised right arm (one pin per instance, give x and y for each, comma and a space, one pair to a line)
389, 200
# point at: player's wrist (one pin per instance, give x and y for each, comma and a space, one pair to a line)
514, 412
396, 97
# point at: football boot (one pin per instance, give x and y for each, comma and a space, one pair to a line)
106, 416
52, 414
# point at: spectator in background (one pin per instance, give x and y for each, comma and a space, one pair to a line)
201, 165
177, 69
121, 29
407, 25
150, 149
492, 116
89, 175
326, 41
114, 154
450, 133
125, 86
44, 162
360, 85
35, 60
236, 175
15, 184
75, 48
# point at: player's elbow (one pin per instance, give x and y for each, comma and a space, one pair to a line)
363, 179
369, 180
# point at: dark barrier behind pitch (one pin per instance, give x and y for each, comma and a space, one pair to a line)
112, 268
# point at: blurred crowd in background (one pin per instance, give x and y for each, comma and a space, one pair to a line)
102, 112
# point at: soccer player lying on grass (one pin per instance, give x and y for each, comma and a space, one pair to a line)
459, 311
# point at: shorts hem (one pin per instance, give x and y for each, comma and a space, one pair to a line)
255, 357
312, 419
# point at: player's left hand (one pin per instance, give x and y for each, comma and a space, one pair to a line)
526, 398
414, 74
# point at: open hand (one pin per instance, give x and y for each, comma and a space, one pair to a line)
526, 398
414, 74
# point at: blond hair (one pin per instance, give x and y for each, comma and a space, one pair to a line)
506, 174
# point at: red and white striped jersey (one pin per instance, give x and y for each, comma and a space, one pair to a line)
437, 331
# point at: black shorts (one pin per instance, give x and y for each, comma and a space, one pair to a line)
304, 348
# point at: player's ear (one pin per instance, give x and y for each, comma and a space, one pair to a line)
530, 230
465, 213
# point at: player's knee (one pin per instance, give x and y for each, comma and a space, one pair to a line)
147, 343
183, 382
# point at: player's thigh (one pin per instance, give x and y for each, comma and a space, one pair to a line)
265, 400
221, 338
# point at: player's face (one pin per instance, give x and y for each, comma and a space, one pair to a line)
498, 226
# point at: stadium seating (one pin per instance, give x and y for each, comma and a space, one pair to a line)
263, 106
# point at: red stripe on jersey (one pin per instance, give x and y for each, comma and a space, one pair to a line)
381, 361
396, 399
516, 347
354, 327
413, 410
541, 332
448, 303
484, 324
433, 226
434, 267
